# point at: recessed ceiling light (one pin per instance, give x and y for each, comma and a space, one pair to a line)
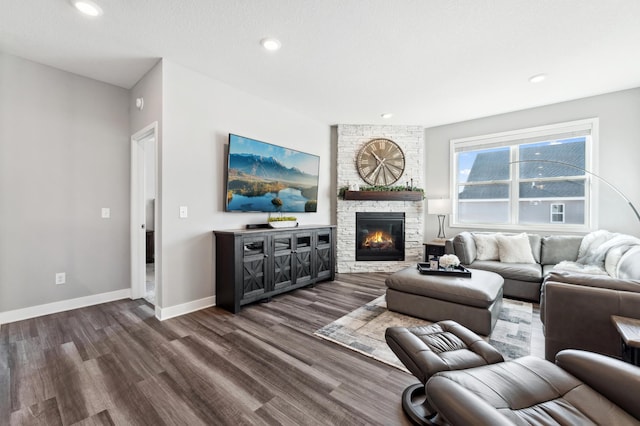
386, 115
538, 78
87, 7
270, 43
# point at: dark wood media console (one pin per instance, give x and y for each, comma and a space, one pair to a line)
253, 265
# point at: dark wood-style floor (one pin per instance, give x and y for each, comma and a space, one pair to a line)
116, 364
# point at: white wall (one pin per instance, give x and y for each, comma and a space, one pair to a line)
64, 154
619, 153
198, 115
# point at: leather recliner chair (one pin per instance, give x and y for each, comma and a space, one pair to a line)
581, 388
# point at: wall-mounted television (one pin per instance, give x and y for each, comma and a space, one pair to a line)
262, 177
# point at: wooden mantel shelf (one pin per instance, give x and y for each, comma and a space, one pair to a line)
384, 195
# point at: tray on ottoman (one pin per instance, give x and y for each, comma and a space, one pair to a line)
458, 271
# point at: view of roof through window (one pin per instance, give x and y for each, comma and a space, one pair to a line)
541, 178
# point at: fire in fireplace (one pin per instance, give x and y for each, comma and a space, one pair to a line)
379, 236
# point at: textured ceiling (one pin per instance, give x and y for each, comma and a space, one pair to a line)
347, 61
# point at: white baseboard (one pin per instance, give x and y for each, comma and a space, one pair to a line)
184, 308
63, 305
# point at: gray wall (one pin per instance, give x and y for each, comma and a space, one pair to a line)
198, 115
150, 88
618, 158
64, 154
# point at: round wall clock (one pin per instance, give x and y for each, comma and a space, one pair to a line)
380, 162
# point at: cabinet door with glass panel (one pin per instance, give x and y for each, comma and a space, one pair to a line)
303, 261
254, 267
283, 260
324, 254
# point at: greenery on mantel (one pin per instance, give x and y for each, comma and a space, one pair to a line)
382, 188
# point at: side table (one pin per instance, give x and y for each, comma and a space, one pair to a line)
433, 248
629, 330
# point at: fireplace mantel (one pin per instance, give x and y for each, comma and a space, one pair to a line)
384, 195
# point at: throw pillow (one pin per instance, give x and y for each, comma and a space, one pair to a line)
515, 248
486, 246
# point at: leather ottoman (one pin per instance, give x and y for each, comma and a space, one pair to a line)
474, 302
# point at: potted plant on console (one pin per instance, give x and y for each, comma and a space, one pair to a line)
281, 221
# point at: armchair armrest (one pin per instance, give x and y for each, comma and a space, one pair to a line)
616, 380
459, 406
578, 316
598, 281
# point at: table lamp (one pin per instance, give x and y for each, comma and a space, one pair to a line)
441, 207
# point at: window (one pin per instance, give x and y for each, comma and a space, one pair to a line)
538, 177
557, 212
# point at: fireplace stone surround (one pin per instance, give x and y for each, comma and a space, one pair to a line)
350, 138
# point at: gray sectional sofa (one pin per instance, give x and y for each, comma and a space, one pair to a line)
521, 280
602, 254
580, 283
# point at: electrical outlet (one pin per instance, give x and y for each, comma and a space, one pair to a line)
184, 212
61, 278
106, 212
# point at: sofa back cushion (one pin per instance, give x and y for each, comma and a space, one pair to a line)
464, 247
536, 244
556, 248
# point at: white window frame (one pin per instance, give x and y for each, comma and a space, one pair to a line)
587, 127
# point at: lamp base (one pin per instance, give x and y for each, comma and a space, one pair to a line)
441, 230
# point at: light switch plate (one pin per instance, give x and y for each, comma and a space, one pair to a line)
184, 213
106, 212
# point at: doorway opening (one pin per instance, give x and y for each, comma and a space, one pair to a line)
144, 215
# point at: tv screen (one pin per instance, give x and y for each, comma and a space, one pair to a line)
262, 177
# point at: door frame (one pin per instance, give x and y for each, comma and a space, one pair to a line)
138, 217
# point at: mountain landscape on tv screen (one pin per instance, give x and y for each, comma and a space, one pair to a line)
254, 181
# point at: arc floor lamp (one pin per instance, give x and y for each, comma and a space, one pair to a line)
603, 180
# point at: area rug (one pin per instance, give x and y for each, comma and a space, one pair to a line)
363, 330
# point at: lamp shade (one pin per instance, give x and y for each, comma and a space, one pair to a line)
439, 206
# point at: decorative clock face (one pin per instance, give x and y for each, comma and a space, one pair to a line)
380, 162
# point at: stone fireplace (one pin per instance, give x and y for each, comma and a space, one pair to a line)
350, 138
379, 236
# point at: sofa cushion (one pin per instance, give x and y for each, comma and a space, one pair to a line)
556, 248
486, 246
579, 268
535, 241
527, 390
515, 248
547, 269
515, 271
